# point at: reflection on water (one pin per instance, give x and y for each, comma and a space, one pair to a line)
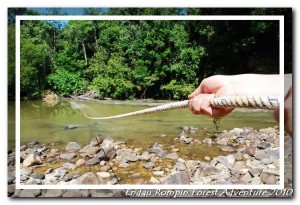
66, 122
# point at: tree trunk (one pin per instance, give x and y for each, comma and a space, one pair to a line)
84, 52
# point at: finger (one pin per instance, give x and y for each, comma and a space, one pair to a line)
201, 104
195, 93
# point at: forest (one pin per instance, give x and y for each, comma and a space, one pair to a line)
126, 59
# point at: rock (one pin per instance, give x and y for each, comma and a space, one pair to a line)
29, 193
187, 140
268, 131
223, 160
97, 140
222, 168
228, 149
256, 180
69, 166
158, 151
172, 156
38, 176
106, 153
193, 130
144, 156
176, 178
255, 171
23, 147
32, 143
54, 193
32, 181
260, 154
270, 152
10, 179
105, 168
158, 173
85, 148
72, 194
89, 178
32, 160
24, 177
230, 159
246, 178
123, 165
134, 175
266, 161
209, 171
272, 171
207, 158
263, 145
80, 162
48, 171
102, 163
238, 156
148, 165
11, 189
153, 180
128, 156
103, 175
26, 171
101, 193
92, 162
179, 166
72, 146
92, 151
223, 141
67, 156
183, 135
107, 142
236, 131
268, 178
207, 141
112, 181
59, 172
250, 151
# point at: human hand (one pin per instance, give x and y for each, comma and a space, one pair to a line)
214, 86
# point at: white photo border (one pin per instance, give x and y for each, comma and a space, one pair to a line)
280, 18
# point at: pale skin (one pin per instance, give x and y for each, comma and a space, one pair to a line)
240, 85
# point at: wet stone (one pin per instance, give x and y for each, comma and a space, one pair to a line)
228, 149
72, 146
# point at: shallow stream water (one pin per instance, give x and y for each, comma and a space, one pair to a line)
65, 122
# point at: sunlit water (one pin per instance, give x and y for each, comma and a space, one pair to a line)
47, 124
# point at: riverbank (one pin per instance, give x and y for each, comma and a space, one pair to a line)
251, 157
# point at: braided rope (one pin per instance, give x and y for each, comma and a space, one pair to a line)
256, 102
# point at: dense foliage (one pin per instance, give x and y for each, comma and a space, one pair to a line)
140, 59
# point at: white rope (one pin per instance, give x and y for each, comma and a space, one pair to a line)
258, 102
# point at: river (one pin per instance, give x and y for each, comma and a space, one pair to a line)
47, 124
